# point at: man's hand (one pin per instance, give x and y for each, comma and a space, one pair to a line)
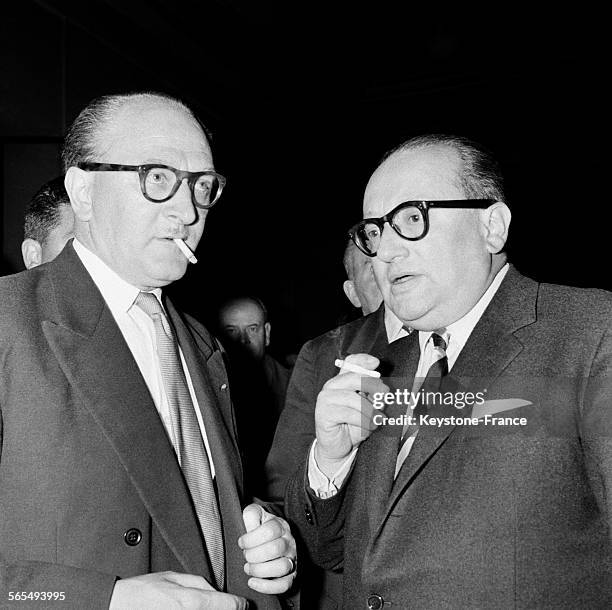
344, 412
269, 551
169, 591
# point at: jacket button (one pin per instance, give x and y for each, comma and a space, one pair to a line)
375, 602
308, 514
132, 536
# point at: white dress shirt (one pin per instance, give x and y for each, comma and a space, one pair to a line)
455, 335
139, 333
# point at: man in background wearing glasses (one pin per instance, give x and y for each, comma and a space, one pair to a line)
120, 477
492, 488
360, 286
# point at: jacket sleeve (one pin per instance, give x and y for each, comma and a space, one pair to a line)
295, 431
79, 588
318, 523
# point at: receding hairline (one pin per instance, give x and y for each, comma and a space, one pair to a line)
237, 302
476, 172
438, 150
127, 101
459, 145
109, 128
92, 130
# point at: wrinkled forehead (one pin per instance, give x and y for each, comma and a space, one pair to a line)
145, 131
426, 173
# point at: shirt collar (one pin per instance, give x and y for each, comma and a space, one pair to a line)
394, 326
458, 332
118, 294
461, 329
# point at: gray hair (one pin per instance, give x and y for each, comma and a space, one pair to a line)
479, 175
43, 212
81, 142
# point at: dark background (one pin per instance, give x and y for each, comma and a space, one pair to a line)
303, 98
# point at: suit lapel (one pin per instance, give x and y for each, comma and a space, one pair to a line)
205, 364
428, 441
370, 339
490, 348
97, 362
379, 452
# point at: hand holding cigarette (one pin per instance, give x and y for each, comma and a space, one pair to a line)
344, 411
345, 365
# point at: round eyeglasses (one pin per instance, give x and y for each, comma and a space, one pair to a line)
410, 220
159, 183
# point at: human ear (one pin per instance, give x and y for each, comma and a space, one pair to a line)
496, 222
78, 187
351, 293
31, 251
267, 329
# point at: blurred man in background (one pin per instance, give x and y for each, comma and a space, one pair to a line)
259, 381
360, 287
48, 224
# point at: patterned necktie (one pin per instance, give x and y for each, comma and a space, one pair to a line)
437, 370
187, 436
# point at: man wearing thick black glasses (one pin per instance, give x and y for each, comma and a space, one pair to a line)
120, 475
479, 474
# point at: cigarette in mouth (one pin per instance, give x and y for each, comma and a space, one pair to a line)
184, 248
347, 366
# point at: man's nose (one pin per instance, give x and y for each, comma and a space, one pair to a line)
181, 206
391, 244
244, 338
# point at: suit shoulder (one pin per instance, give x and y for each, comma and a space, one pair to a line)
19, 293
9, 284
592, 306
334, 338
23, 303
199, 329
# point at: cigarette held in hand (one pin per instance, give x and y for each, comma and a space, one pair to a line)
347, 366
184, 248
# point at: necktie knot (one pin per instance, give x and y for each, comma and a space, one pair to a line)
149, 303
439, 363
438, 341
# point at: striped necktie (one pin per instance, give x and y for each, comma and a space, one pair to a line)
437, 370
187, 437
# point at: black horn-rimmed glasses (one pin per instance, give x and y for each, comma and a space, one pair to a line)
410, 220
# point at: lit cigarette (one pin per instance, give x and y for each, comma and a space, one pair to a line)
184, 248
347, 366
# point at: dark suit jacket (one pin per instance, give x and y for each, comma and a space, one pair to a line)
479, 516
84, 457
